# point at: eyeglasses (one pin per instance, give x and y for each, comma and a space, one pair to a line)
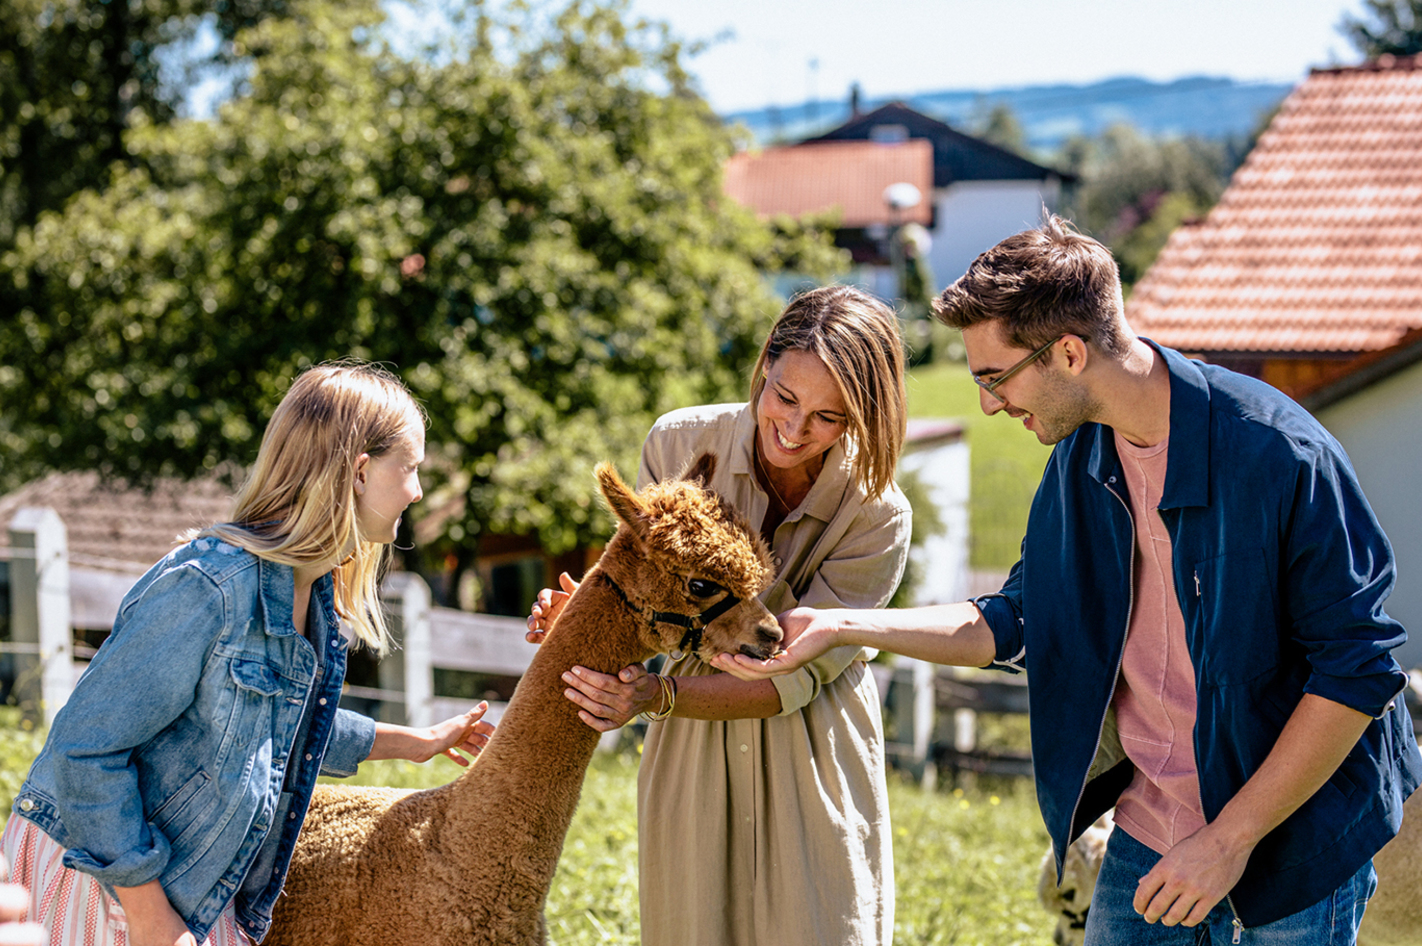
991, 386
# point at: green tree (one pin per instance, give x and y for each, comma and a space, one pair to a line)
74, 74
1388, 27
999, 126
1134, 190
530, 228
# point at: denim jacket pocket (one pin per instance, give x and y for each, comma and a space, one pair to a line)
185, 807
256, 676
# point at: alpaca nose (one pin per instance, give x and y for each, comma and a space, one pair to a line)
769, 632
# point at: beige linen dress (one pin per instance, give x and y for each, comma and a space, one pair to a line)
776, 831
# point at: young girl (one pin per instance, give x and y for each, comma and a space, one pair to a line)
177, 776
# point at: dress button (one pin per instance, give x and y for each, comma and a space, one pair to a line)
292, 816
745, 748
27, 804
322, 701
308, 757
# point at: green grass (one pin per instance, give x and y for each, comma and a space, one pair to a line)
965, 861
20, 742
1006, 465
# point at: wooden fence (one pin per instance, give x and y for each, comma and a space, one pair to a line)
934, 712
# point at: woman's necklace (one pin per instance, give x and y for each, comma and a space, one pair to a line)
770, 483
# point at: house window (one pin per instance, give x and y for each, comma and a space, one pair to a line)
888, 134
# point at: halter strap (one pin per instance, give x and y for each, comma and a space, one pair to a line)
695, 624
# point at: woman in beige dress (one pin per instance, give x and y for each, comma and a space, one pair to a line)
762, 813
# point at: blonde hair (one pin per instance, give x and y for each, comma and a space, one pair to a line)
857, 338
297, 506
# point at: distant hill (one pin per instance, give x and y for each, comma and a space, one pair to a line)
1207, 107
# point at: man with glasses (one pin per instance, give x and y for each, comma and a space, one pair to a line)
1198, 607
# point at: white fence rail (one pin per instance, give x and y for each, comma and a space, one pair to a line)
427, 639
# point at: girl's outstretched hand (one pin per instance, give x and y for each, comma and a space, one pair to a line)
547, 606
464, 733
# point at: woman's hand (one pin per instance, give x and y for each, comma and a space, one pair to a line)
546, 608
152, 921
607, 702
464, 733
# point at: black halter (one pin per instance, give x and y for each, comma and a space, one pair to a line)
695, 624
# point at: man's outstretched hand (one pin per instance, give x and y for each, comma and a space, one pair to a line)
809, 632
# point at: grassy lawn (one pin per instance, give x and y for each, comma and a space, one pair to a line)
965, 862
1007, 461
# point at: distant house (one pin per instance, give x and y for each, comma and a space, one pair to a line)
115, 532
1308, 274
973, 193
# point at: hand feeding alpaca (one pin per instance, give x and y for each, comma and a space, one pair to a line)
471, 862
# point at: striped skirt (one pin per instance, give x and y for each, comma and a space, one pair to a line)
71, 905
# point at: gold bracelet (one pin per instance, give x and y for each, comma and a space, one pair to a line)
668, 685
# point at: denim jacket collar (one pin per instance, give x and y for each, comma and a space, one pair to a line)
278, 596
1187, 473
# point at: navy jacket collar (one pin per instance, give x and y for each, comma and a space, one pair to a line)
1187, 474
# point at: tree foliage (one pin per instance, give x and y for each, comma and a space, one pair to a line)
73, 76
1388, 27
999, 125
1134, 190
531, 231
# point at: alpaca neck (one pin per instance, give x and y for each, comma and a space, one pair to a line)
541, 749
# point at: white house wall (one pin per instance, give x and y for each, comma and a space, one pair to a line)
973, 216
1379, 427
943, 472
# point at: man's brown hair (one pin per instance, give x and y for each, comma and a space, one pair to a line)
1041, 284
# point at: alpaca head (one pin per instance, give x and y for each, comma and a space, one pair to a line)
692, 551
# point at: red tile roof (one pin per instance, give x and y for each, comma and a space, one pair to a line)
119, 528
1316, 245
846, 175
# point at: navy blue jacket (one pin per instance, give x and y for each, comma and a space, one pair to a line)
1281, 570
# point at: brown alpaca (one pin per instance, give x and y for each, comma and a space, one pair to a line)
470, 863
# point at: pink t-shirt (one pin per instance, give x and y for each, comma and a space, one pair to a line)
1155, 697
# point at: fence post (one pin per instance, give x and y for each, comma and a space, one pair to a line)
407, 667
39, 611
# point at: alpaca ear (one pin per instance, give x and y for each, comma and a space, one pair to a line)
701, 469
620, 499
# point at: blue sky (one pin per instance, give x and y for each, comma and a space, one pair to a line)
782, 52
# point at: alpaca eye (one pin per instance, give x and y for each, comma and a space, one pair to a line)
702, 588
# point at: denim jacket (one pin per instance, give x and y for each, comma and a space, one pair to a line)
169, 760
1281, 571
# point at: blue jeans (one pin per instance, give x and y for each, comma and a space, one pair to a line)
1113, 921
